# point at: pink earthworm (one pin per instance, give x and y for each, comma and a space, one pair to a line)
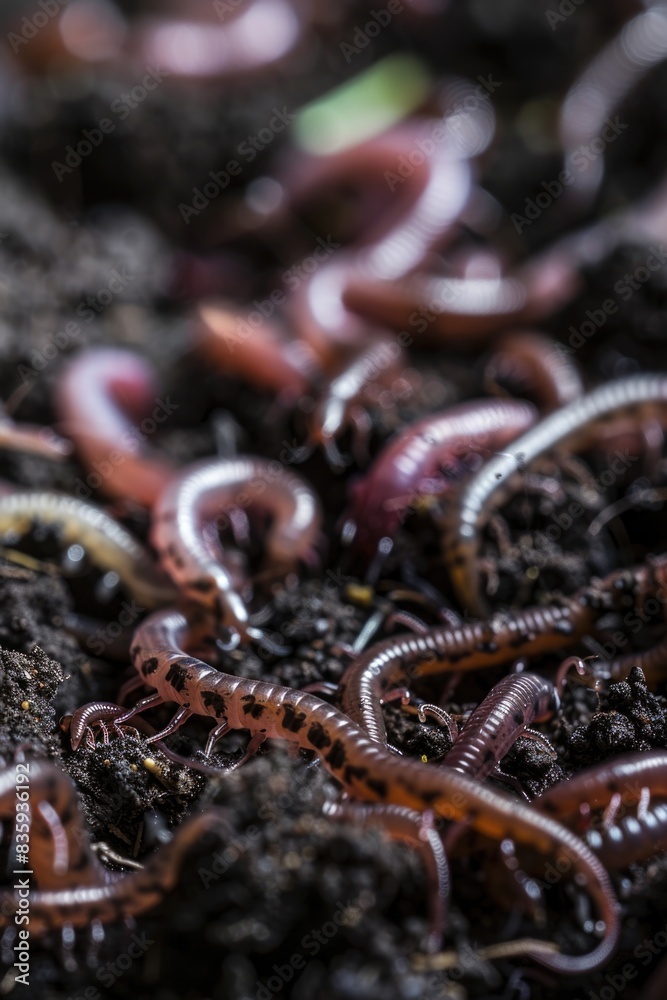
365, 768
579, 425
100, 390
586, 125
381, 363
262, 355
33, 440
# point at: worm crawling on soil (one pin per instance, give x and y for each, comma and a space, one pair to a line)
606, 81
631, 839
579, 425
366, 769
73, 887
94, 397
107, 543
513, 703
533, 363
263, 356
209, 492
342, 401
413, 828
408, 466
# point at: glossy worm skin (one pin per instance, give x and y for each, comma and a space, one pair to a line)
366, 769
578, 425
206, 492
265, 356
98, 393
595, 786
513, 703
461, 309
631, 839
471, 646
431, 200
606, 81
192, 46
439, 442
107, 543
400, 823
538, 364
73, 887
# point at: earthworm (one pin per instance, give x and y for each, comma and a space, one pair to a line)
88, 715
73, 887
366, 769
96, 391
262, 355
109, 546
534, 364
40, 441
606, 81
206, 492
631, 838
579, 425
433, 195
381, 362
408, 466
513, 703
400, 823
471, 646
594, 787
